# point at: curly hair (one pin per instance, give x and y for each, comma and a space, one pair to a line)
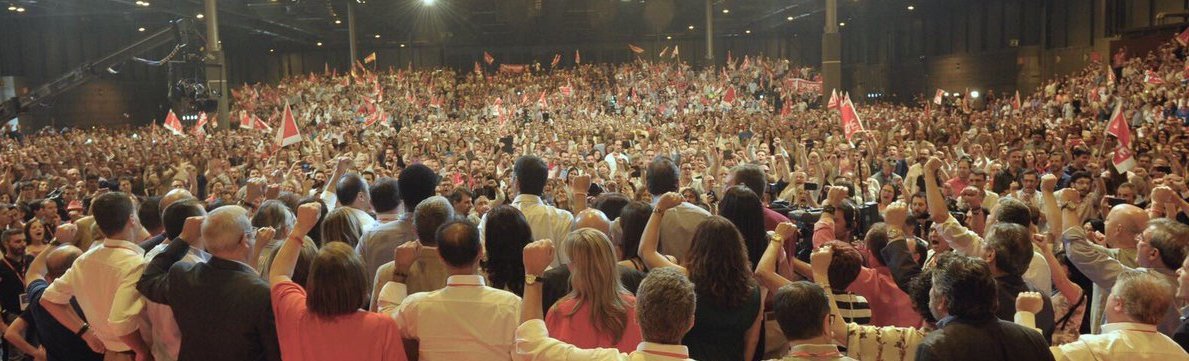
718, 264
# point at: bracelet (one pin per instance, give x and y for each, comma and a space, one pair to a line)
83, 330
400, 274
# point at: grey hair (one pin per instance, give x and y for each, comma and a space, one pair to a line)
224, 227
430, 214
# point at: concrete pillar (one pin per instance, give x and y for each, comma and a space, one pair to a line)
216, 69
831, 52
709, 32
351, 32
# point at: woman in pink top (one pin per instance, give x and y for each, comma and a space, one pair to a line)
598, 312
327, 323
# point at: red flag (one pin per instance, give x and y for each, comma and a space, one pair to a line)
370, 58
488, 58
244, 121
173, 124
556, 60
635, 49
1150, 77
851, 124
833, 103
787, 108
1183, 37
198, 129
730, 97
543, 102
1016, 104
260, 124
1118, 127
375, 117
577, 57
938, 97
287, 133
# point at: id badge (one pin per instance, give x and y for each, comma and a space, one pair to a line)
24, 301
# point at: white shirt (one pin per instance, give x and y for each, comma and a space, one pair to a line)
534, 344
678, 226
95, 280
464, 321
546, 222
158, 324
1122, 341
376, 246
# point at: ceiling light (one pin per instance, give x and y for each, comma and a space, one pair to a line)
789, 18
842, 24
910, 7
670, 37
319, 43
974, 94
200, 16
691, 27
427, 2
337, 21
377, 36
12, 8
272, 50
20, 9
140, 30
726, 11
747, 31
402, 45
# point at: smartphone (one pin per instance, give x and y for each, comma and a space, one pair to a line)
811, 186
1114, 201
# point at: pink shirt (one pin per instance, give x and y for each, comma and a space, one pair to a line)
576, 328
304, 336
890, 306
956, 186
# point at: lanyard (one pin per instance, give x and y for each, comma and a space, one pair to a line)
20, 276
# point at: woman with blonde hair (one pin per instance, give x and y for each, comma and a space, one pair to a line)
598, 312
341, 226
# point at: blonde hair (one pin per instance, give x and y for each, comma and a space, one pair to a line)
594, 279
341, 226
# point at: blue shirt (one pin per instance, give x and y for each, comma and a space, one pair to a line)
60, 343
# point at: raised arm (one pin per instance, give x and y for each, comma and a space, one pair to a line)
579, 185
652, 233
766, 269
1048, 185
960, 238
1089, 258
938, 210
537, 256
154, 283
820, 260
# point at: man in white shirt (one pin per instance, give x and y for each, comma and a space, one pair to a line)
166, 338
1136, 305
680, 222
547, 222
664, 308
352, 193
467, 320
102, 280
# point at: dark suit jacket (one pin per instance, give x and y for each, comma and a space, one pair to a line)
983, 340
556, 283
1008, 288
222, 307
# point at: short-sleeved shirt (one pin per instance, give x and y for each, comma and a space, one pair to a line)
576, 327
60, 343
303, 335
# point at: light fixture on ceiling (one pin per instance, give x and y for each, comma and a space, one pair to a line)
974, 94
12, 7
337, 21
747, 31
140, 29
726, 11
20, 9
200, 16
910, 7
691, 27
670, 37
789, 18
319, 43
402, 45
272, 50
427, 2
842, 24
377, 36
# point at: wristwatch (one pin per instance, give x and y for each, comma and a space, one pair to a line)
530, 279
828, 209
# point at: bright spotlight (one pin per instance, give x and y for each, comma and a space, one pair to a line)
319, 43
377, 36
691, 27
910, 7
747, 31
842, 24
789, 18
427, 2
200, 16
974, 94
670, 37
726, 11
140, 30
337, 21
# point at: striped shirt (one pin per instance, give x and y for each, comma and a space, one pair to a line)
854, 308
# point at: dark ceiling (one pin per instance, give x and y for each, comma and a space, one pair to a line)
304, 23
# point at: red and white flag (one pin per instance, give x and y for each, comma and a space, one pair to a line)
245, 121
833, 103
173, 124
1124, 158
260, 124
198, 129
556, 60
851, 124
543, 102
1015, 104
937, 98
1183, 37
1150, 77
287, 133
730, 97
1110, 76
488, 58
375, 118
675, 52
635, 49
577, 57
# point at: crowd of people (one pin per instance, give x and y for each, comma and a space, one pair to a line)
641, 211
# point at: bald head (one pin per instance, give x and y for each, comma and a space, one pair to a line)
593, 218
224, 229
60, 259
174, 195
1123, 224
